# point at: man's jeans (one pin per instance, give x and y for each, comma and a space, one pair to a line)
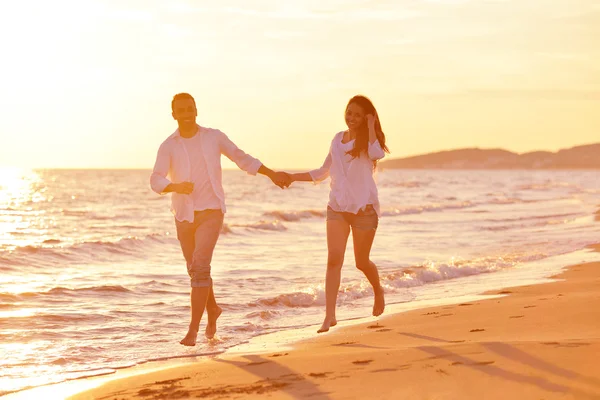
198, 240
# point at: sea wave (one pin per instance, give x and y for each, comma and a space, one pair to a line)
61, 291
264, 314
262, 225
419, 209
53, 250
532, 222
401, 279
548, 186
295, 215
403, 184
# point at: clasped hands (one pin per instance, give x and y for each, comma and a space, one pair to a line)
281, 179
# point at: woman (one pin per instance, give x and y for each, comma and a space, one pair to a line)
353, 200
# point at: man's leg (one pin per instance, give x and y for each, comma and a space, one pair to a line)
213, 312
206, 236
186, 233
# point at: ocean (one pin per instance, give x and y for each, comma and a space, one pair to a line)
92, 278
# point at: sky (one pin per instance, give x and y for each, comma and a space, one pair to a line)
88, 83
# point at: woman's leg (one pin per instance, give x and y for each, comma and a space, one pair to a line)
337, 237
363, 240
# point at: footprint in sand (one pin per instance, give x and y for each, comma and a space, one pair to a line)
319, 374
252, 364
465, 304
292, 377
362, 362
516, 316
383, 330
385, 370
278, 355
431, 313
529, 307
344, 343
377, 326
505, 292
171, 381
477, 330
558, 344
147, 392
475, 363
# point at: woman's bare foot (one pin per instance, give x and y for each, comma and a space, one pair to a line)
190, 338
327, 323
379, 303
211, 325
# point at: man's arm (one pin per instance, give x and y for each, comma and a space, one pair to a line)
181, 188
158, 180
281, 179
250, 164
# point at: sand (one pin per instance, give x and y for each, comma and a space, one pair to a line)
535, 342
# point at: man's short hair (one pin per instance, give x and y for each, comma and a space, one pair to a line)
181, 96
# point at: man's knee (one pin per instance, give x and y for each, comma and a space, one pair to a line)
200, 282
199, 272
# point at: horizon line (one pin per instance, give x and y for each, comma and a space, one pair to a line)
296, 168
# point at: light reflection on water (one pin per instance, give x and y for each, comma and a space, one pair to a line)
92, 278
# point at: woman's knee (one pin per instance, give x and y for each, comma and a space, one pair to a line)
365, 265
335, 262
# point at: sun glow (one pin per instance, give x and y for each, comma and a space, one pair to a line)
13, 183
443, 74
17, 187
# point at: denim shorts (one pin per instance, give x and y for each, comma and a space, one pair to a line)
365, 219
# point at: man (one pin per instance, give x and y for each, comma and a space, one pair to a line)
191, 159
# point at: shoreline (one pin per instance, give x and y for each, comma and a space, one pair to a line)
537, 342
296, 345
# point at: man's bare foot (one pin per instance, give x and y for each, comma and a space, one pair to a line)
211, 325
190, 338
327, 323
379, 303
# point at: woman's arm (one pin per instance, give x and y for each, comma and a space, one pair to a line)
316, 175
372, 131
375, 151
301, 177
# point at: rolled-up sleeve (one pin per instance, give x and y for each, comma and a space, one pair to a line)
244, 161
322, 173
375, 151
158, 179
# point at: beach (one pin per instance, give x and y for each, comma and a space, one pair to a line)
94, 289
463, 134
530, 342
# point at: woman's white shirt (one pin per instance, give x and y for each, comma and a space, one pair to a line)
352, 182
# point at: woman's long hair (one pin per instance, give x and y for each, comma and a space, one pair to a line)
362, 138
